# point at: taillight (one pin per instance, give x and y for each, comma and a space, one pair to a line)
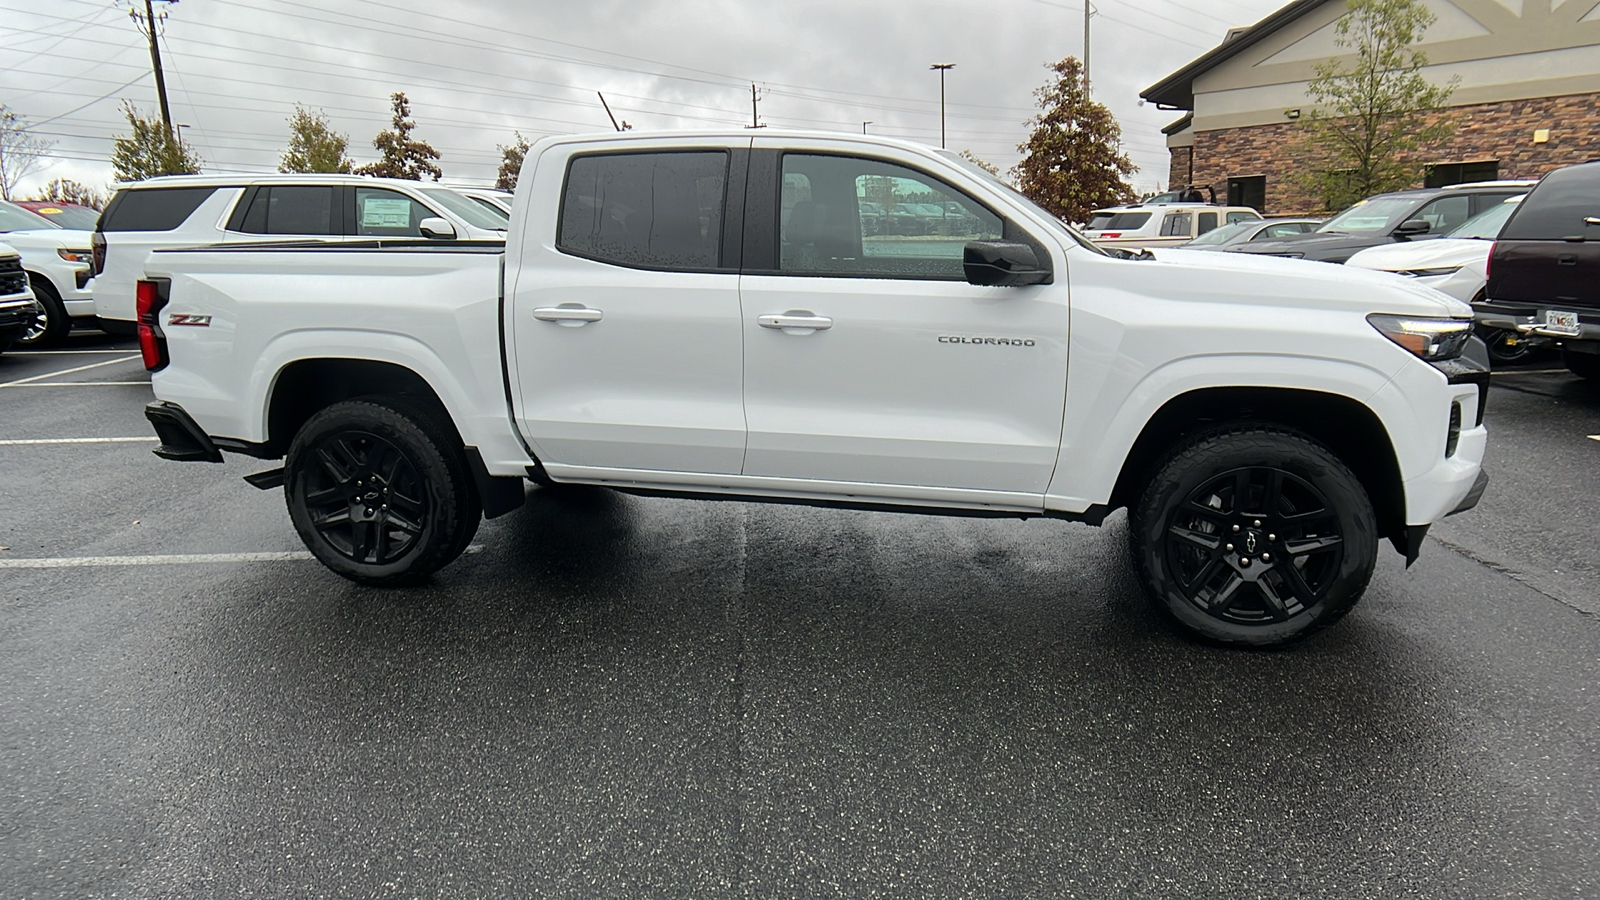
1111, 234
149, 298
97, 247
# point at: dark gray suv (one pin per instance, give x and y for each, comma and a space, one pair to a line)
1387, 218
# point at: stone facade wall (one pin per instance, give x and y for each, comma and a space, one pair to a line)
1490, 131
1182, 166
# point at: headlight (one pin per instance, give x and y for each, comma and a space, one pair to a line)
77, 256
1430, 273
1429, 339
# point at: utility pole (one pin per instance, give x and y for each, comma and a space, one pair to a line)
1088, 10
149, 24
864, 127
755, 121
943, 68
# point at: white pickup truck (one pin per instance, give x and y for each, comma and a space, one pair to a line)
837, 320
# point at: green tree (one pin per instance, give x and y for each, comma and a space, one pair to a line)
150, 150
511, 158
20, 151
1374, 111
62, 190
313, 145
402, 156
983, 164
1073, 162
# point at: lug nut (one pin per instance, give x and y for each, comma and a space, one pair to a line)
1229, 548
1266, 557
1235, 528
1244, 563
1257, 523
1272, 537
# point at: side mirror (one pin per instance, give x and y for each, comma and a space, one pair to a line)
437, 229
1004, 264
1411, 227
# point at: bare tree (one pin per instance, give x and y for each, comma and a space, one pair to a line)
21, 152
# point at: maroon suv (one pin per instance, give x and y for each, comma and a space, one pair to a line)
1544, 272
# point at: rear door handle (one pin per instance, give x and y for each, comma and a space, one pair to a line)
569, 316
795, 322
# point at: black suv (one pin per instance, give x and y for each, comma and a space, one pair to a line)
1386, 218
1544, 271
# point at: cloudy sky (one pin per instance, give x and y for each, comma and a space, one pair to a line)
477, 71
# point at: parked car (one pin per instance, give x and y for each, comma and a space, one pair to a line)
57, 261
492, 199
1388, 218
1168, 225
16, 298
1457, 264
1544, 270
1251, 230
649, 329
187, 210
67, 215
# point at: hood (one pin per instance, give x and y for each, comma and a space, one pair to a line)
1319, 285
1440, 254
49, 239
1313, 244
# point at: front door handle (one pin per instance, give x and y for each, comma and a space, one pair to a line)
795, 322
568, 315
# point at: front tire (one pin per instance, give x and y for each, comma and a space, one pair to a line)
51, 324
380, 492
1254, 536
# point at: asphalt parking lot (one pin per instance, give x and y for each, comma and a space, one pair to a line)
611, 696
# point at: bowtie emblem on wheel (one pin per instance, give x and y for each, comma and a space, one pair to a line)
1250, 543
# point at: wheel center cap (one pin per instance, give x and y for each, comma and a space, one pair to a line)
1252, 543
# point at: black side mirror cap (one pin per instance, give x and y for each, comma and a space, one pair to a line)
1412, 226
1004, 264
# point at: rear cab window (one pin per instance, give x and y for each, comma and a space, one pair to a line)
1558, 209
1127, 221
153, 209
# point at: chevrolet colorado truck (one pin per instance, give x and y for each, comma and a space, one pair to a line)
711, 315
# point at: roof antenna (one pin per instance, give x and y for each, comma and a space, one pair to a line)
624, 126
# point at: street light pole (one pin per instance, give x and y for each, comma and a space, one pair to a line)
864, 126
943, 68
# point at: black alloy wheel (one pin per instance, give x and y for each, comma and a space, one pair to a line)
379, 490
365, 498
1506, 346
1254, 536
1254, 545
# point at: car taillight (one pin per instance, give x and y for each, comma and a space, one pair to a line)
97, 247
1111, 234
149, 298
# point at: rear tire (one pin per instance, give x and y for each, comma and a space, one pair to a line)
380, 491
1254, 536
1506, 346
1583, 365
52, 323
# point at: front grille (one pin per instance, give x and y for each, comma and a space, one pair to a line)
12, 279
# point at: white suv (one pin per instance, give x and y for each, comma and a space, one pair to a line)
193, 210
56, 261
1162, 225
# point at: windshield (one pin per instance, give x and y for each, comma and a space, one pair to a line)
1061, 229
1224, 234
490, 205
15, 218
81, 218
472, 213
1370, 216
1485, 226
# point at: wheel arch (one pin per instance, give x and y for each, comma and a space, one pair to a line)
304, 387
1348, 428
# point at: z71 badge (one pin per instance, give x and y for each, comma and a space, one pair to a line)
187, 319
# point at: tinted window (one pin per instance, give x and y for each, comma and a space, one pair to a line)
1208, 222
1285, 229
1370, 216
152, 209
1103, 221
1558, 207
1177, 225
290, 210
81, 218
654, 210
386, 213
860, 217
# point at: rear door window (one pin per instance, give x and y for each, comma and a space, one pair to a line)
1208, 222
646, 210
153, 209
1177, 225
292, 209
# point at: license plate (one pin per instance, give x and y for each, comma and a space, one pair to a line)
1561, 322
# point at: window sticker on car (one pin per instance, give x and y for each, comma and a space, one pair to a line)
385, 212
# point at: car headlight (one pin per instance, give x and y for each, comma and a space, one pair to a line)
1429, 339
1430, 273
77, 256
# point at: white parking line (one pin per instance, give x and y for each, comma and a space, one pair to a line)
109, 362
72, 384
172, 559
19, 442
1594, 437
